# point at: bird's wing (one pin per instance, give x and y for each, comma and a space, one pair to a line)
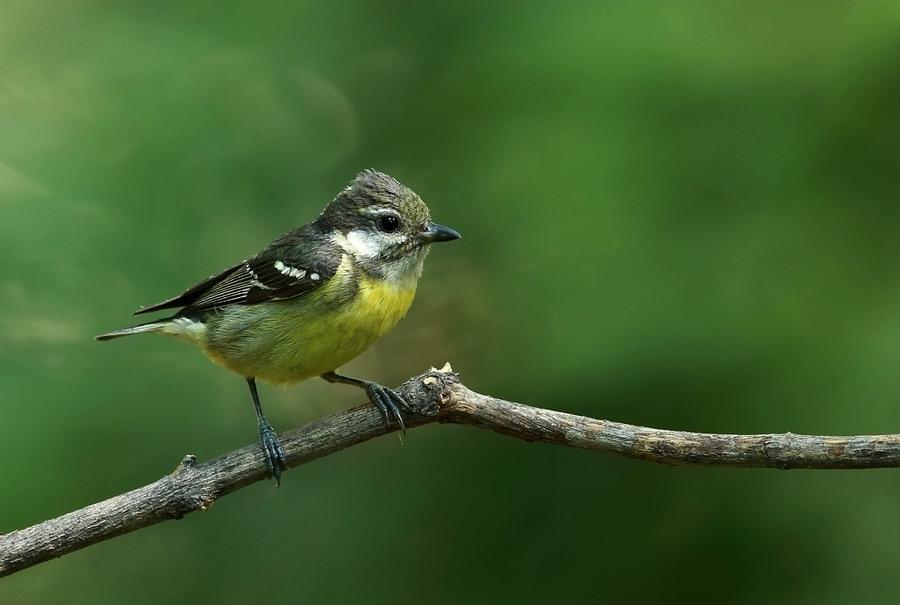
191, 293
283, 270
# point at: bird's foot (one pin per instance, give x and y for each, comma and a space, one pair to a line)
272, 450
389, 402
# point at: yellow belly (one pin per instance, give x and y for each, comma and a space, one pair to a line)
289, 341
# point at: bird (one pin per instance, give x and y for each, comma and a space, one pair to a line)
313, 299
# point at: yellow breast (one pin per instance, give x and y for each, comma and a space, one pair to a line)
349, 331
294, 340
376, 309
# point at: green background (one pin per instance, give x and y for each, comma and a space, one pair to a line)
682, 215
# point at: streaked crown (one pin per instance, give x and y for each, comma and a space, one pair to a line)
371, 195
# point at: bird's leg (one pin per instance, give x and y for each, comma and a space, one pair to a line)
268, 439
385, 399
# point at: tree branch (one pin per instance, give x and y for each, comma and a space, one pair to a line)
435, 396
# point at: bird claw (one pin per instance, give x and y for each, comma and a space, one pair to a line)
272, 451
389, 402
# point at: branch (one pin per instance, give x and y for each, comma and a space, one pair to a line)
435, 396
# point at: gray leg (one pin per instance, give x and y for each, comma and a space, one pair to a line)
271, 447
385, 399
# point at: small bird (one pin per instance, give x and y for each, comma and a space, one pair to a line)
313, 299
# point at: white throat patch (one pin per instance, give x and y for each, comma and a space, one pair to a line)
406, 271
362, 244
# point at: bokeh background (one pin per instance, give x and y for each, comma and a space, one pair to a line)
682, 215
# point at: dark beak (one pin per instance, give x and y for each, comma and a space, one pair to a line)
438, 233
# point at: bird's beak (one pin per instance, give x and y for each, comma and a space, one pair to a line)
438, 233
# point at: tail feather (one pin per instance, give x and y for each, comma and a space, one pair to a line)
152, 326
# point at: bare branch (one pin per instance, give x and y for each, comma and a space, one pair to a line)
435, 396
776, 450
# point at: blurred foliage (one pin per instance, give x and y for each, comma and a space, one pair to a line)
678, 214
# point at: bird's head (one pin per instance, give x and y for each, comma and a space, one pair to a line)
384, 225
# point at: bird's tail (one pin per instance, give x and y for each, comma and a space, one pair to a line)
150, 326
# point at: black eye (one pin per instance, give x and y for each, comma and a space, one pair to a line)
388, 223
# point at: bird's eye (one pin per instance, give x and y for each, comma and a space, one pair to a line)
388, 223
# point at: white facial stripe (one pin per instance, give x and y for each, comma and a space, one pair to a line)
376, 210
363, 244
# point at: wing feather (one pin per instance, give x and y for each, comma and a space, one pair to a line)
282, 271
190, 294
